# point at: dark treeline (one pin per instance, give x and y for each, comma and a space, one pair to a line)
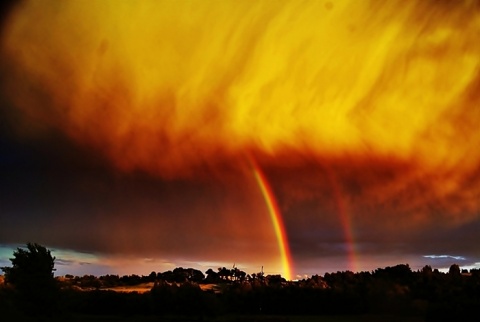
396, 290
178, 275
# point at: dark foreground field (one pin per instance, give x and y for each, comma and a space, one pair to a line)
319, 318
230, 318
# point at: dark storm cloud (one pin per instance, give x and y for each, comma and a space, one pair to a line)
64, 195
56, 192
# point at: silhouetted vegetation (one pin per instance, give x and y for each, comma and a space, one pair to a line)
427, 294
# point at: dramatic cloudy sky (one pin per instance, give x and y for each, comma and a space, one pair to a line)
132, 134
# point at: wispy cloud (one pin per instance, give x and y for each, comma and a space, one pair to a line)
461, 258
66, 262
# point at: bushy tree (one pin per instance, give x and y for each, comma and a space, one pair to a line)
31, 277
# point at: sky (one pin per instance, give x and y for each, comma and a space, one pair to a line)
301, 137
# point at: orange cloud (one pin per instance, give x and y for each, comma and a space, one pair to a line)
169, 88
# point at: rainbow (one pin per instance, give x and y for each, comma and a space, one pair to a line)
277, 221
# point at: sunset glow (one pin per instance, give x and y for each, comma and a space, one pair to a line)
131, 128
209, 77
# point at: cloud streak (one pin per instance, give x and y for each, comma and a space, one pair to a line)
445, 256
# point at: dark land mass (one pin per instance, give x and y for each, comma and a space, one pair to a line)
229, 295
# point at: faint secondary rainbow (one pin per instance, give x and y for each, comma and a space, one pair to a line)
277, 220
345, 222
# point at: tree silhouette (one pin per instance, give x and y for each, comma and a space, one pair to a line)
454, 270
31, 277
212, 276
